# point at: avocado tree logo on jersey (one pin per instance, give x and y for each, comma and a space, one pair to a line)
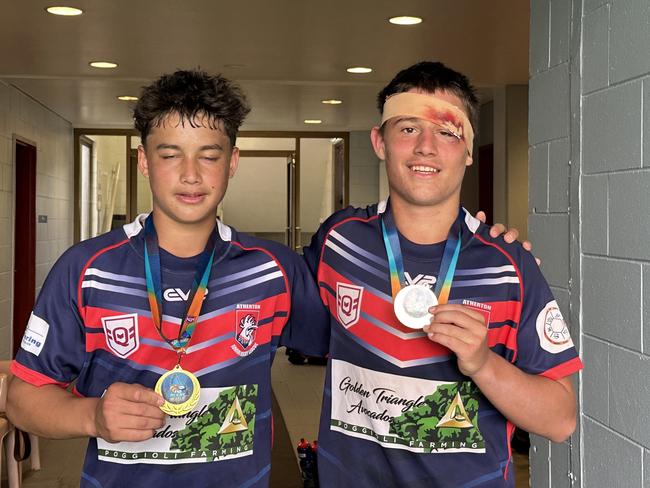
122, 334
348, 303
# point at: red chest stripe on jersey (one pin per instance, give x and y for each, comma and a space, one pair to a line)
396, 347
218, 325
222, 325
563, 370
505, 335
33, 377
201, 358
400, 348
83, 273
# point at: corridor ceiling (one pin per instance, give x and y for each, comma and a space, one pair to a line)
288, 55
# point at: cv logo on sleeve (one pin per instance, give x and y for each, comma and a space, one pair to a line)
35, 335
348, 303
122, 334
552, 330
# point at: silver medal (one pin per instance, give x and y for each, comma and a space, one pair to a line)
412, 305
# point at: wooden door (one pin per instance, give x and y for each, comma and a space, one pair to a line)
24, 239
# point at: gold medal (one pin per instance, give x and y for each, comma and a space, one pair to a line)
180, 389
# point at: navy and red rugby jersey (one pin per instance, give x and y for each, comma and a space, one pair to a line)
91, 325
397, 412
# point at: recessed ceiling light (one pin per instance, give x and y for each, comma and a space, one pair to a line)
359, 70
127, 98
332, 101
313, 121
405, 20
65, 11
103, 64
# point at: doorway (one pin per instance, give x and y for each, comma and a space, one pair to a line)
286, 185
24, 286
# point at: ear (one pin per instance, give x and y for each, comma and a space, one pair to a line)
234, 162
469, 160
143, 165
377, 139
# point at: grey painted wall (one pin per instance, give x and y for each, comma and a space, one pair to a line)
589, 185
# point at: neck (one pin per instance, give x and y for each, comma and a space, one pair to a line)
180, 239
422, 224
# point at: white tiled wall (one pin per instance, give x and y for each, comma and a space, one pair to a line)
26, 118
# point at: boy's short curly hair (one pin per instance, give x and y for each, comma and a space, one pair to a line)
197, 97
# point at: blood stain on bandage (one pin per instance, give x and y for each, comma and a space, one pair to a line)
445, 119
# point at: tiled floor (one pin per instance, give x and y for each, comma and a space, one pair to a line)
298, 390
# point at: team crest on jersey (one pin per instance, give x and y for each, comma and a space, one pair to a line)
122, 334
246, 330
348, 303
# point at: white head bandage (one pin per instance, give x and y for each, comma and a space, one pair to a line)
433, 109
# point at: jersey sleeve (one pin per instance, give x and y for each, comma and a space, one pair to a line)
312, 254
52, 350
307, 328
544, 344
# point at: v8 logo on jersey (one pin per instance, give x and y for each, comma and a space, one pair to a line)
420, 279
348, 303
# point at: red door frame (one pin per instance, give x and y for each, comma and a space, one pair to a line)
24, 237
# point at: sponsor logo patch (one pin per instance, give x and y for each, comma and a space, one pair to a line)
348, 303
35, 335
403, 412
122, 334
193, 437
552, 330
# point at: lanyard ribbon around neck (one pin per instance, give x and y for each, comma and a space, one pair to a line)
396, 262
154, 286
